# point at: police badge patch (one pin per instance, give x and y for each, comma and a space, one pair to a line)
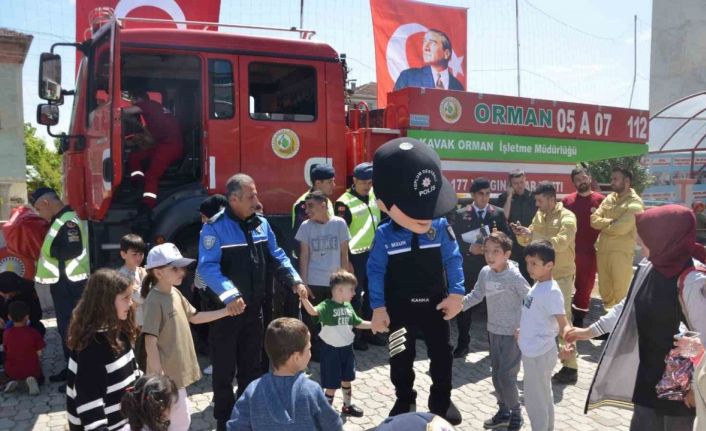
209, 241
431, 233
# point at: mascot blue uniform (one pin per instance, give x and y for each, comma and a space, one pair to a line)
415, 270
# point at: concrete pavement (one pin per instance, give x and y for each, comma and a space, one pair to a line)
372, 391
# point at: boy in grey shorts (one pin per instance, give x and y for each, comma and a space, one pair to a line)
504, 288
543, 318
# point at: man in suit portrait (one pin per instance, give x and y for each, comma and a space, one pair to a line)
436, 51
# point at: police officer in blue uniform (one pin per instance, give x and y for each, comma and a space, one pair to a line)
235, 249
415, 270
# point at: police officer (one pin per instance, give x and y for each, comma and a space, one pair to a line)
235, 248
63, 261
471, 225
358, 208
322, 178
415, 270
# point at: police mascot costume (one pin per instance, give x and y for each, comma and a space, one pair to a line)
415, 270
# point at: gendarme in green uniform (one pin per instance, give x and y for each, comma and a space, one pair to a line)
363, 219
67, 233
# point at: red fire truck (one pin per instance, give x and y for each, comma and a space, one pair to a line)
272, 108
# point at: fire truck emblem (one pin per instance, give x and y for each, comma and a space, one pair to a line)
450, 110
285, 143
12, 264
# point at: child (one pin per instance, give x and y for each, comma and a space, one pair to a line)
148, 404
502, 285
23, 348
132, 251
338, 319
15, 288
285, 399
323, 241
101, 362
167, 314
543, 319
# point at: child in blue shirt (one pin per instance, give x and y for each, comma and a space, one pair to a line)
285, 399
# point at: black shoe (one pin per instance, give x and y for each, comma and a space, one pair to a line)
453, 416
359, 343
500, 420
566, 376
375, 339
352, 410
516, 421
62, 388
61, 376
404, 406
578, 318
461, 351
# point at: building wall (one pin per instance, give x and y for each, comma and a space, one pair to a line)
12, 152
678, 54
13, 161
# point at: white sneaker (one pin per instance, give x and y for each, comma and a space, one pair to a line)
208, 370
11, 386
32, 385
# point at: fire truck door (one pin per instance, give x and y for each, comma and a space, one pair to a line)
283, 117
103, 131
221, 135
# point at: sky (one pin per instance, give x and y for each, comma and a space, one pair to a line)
578, 51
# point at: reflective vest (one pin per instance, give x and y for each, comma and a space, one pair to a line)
364, 220
76, 269
301, 199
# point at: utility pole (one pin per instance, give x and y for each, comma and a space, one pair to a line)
634, 67
301, 14
517, 34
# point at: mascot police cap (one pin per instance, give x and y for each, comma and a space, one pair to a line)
408, 174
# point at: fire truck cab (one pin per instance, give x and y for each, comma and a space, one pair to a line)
268, 107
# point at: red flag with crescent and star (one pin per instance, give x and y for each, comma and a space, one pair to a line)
402, 56
175, 10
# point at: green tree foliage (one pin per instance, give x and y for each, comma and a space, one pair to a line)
602, 169
43, 164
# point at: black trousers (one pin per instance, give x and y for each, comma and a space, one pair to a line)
425, 318
361, 300
65, 295
234, 342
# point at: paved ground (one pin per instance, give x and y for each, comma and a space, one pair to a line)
473, 391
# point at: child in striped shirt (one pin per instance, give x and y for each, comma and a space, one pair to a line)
101, 362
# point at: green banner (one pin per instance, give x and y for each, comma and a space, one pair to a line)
460, 145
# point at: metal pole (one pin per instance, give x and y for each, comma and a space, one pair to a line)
517, 34
634, 67
301, 14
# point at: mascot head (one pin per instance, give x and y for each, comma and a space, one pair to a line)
409, 185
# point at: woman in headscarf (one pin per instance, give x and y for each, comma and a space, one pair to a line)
643, 326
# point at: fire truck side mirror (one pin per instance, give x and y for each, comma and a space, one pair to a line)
50, 77
48, 115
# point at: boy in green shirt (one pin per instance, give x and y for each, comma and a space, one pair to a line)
338, 319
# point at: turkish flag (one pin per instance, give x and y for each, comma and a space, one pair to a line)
175, 10
400, 27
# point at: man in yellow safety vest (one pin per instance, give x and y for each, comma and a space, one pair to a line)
63, 261
358, 208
